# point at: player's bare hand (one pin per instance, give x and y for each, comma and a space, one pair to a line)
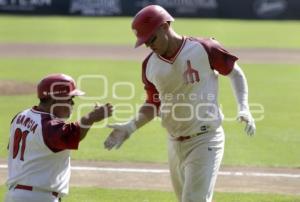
247, 118
101, 112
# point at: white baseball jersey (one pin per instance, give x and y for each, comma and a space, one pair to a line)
185, 86
39, 151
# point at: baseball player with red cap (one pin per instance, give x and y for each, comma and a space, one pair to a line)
180, 76
40, 142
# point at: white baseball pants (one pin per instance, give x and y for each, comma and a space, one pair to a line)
194, 165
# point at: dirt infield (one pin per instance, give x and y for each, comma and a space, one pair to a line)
142, 175
114, 52
11, 87
155, 177
146, 176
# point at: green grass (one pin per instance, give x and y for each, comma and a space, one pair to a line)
105, 30
108, 195
275, 87
90, 194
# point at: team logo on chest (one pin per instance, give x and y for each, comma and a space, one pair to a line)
190, 75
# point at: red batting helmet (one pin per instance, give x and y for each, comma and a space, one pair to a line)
57, 86
147, 21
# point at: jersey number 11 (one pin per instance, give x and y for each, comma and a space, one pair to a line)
18, 137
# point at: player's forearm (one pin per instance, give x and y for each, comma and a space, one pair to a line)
83, 132
146, 113
97, 114
86, 123
240, 87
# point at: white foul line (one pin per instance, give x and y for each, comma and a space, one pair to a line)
144, 170
127, 170
256, 174
3, 166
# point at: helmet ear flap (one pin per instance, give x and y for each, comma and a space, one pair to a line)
147, 21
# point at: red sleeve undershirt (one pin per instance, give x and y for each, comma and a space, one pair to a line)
59, 135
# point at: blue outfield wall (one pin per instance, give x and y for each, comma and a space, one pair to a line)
243, 9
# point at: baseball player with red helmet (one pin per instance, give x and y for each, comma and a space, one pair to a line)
180, 76
40, 142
